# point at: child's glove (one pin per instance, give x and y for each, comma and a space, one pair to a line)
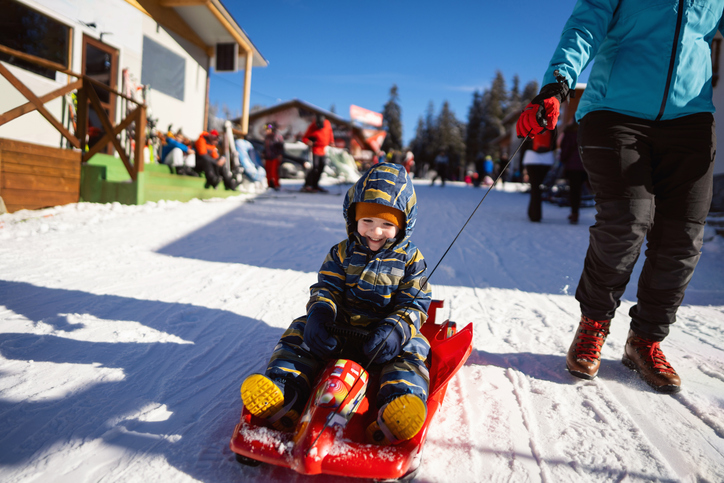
316, 336
391, 347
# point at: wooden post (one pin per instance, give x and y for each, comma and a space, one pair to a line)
138, 162
81, 129
206, 102
247, 92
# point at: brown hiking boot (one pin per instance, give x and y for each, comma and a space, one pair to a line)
645, 357
584, 355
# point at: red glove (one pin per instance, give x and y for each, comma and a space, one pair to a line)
543, 111
536, 118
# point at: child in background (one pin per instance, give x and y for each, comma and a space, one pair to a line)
373, 280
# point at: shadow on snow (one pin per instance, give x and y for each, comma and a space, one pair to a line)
198, 382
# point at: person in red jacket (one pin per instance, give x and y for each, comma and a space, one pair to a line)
319, 135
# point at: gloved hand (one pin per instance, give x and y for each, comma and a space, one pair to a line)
391, 346
543, 111
316, 336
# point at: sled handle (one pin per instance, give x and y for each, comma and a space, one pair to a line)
432, 310
349, 332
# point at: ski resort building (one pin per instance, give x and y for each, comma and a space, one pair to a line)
292, 119
95, 77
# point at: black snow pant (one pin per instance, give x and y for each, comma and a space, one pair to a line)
536, 174
441, 172
312, 179
213, 172
652, 180
575, 184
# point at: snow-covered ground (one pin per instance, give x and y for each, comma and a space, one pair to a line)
125, 332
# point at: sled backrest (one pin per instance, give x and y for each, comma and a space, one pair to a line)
448, 356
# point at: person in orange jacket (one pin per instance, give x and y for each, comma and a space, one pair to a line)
319, 135
210, 163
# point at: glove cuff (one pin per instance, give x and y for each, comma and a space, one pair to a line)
322, 311
559, 90
399, 327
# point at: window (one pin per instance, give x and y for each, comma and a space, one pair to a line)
227, 56
163, 70
31, 32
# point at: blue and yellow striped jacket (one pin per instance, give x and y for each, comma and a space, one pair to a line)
364, 288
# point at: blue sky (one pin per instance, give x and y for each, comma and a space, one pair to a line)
347, 52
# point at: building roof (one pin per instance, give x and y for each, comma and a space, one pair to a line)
202, 22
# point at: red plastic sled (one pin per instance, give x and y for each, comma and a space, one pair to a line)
342, 449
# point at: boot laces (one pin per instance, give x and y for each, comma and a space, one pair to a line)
591, 338
654, 355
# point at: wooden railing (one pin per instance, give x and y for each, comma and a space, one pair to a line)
87, 96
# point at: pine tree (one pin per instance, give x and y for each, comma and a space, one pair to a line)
392, 115
529, 92
430, 135
417, 145
514, 100
450, 135
476, 118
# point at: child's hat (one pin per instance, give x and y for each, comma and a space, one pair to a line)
378, 210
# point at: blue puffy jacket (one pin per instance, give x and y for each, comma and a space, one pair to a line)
653, 57
365, 288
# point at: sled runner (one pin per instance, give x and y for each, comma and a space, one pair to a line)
342, 448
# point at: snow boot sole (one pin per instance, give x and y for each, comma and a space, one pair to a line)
261, 396
401, 419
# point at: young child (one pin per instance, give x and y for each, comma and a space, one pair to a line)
373, 280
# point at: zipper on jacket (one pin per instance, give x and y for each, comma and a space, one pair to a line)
679, 18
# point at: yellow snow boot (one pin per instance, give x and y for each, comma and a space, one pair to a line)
397, 421
265, 399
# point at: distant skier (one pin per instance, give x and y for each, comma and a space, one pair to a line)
647, 141
374, 280
441, 165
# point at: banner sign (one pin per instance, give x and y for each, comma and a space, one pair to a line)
365, 116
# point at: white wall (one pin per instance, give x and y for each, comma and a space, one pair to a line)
188, 114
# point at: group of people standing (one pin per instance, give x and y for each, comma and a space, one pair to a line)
318, 136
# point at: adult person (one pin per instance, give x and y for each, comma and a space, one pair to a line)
409, 162
574, 171
537, 161
647, 141
318, 136
176, 154
479, 169
210, 163
273, 152
441, 164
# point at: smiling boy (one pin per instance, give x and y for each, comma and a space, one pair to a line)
373, 280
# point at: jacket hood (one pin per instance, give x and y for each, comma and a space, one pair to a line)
387, 184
